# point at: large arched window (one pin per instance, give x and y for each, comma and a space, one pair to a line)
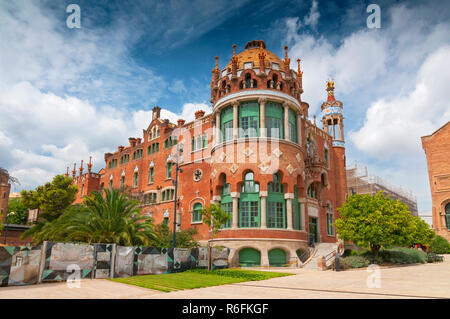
447, 215
226, 202
196, 216
312, 191
274, 119
249, 203
276, 212
249, 119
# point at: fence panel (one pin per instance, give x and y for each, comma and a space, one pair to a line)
124, 263
103, 260
19, 265
150, 260
59, 256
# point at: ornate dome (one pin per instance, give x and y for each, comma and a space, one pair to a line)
251, 54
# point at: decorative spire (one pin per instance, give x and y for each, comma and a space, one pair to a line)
287, 61
81, 168
330, 89
90, 164
262, 54
74, 170
299, 73
215, 73
67, 171
234, 63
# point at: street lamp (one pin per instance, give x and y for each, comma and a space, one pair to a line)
7, 223
169, 160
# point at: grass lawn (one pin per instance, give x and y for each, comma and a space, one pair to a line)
197, 278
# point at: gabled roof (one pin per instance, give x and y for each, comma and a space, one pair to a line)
438, 130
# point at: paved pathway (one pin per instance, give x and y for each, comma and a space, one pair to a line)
416, 281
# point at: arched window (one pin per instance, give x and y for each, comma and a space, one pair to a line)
196, 216
135, 179
276, 212
248, 81
447, 215
249, 203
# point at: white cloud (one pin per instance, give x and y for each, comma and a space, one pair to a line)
313, 16
394, 126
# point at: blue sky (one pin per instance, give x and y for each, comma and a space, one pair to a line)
66, 93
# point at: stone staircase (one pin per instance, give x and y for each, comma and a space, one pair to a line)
322, 249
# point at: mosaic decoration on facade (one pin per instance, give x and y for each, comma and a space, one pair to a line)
19, 265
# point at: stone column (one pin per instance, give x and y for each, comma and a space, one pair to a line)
262, 196
286, 121
289, 197
235, 119
235, 197
299, 129
334, 136
264, 257
301, 202
218, 133
262, 117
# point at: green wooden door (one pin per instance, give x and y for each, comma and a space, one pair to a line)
313, 238
249, 257
277, 257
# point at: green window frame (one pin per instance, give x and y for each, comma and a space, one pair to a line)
447, 215
135, 179
249, 203
296, 215
166, 221
330, 228
196, 215
226, 123
312, 191
274, 119
122, 182
151, 173
325, 155
110, 184
226, 202
276, 204
249, 119
292, 126
205, 140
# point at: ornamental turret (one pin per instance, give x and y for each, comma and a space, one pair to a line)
333, 117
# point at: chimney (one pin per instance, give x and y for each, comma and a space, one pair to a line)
132, 141
180, 122
156, 112
199, 114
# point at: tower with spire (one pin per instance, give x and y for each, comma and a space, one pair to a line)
333, 117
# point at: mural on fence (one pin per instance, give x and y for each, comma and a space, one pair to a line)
150, 260
103, 260
58, 256
22, 265
19, 265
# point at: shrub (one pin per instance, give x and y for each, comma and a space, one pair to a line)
401, 255
353, 262
440, 245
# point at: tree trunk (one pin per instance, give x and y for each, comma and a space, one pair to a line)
375, 249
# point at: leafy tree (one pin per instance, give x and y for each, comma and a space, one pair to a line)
374, 221
422, 233
183, 239
113, 219
21, 211
214, 217
52, 199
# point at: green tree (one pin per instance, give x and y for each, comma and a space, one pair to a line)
375, 221
183, 239
422, 233
113, 219
21, 211
214, 217
52, 199
440, 245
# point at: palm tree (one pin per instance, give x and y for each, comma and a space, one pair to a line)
113, 219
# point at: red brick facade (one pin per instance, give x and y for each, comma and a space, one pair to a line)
5, 188
309, 162
437, 150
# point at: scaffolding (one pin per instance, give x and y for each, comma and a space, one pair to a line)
359, 181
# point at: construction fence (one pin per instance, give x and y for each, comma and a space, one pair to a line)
60, 261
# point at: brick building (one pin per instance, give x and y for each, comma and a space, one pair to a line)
437, 150
5, 187
274, 171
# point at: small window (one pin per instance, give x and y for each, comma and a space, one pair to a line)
196, 215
